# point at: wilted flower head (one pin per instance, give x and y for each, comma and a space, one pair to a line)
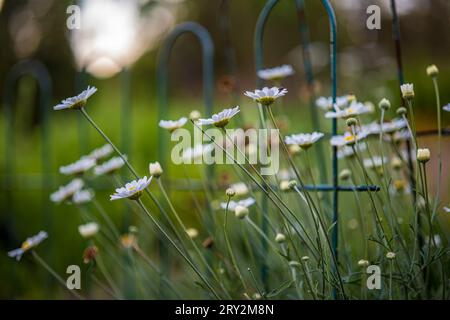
89, 254
172, 125
101, 152
407, 90
76, 102
220, 119
132, 190
67, 191
128, 240
266, 96
88, 230
110, 166
82, 196
304, 140
78, 167
276, 73
28, 244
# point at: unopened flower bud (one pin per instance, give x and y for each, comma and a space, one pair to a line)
345, 174
192, 233
407, 91
432, 71
396, 163
384, 104
294, 148
292, 184
155, 169
280, 238
351, 122
390, 255
195, 115
305, 258
363, 263
241, 212
230, 192
401, 111
423, 155
284, 185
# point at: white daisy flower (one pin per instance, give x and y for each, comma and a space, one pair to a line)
233, 204
346, 151
82, 196
101, 152
78, 167
220, 119
192, 154
266, 96
326, 103
110, 166
76, 102
88, 230
355, 108
446, 107
276, 73
132, 190
304, 140
374, 162
407, 90
28, 244
347, 139
67, 191
172, 125
240, 188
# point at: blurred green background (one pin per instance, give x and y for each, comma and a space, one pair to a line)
36, 29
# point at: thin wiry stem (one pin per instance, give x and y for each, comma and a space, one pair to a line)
54, 274
191, 264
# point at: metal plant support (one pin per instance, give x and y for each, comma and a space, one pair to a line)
162, 77
334, 187
41, 75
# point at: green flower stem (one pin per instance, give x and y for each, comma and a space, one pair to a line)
390, 279
230, 250
438, 110
108, 276
96, 127
54, 274
155, 268
182, 254
107, 219
265, 191
183, 227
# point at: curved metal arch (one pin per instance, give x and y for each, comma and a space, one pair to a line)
39, 72
162, 70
